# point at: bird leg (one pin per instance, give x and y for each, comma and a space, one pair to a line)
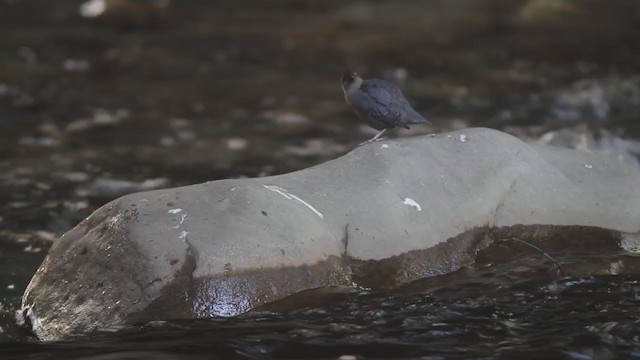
375, 138
378, 135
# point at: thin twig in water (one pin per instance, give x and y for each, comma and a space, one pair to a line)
541, 251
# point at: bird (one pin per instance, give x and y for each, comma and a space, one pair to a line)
381, 104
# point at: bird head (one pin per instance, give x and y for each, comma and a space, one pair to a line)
351, 81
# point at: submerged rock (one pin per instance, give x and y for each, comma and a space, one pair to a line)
382, 215
603, 141
547, 12
110, 188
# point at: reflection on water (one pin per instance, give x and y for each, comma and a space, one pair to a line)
102, 98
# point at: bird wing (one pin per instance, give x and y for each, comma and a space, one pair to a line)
388, 102
388, 86
380, 98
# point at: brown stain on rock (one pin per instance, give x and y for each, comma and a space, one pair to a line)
125, 281
91, 277
233, 293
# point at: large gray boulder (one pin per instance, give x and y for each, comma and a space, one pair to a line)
385, 213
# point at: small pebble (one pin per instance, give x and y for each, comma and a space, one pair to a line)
237, 143
93, 8
348, 357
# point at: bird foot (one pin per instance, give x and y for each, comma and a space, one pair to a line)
372, 140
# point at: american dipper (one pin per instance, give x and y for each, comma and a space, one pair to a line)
381, 104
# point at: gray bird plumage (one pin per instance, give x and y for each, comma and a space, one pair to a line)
381, 104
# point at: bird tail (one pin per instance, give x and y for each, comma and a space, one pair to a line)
415, 118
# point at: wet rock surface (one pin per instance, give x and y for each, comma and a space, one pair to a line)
384, 214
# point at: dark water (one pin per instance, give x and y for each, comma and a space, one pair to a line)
156, 93
515, 309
